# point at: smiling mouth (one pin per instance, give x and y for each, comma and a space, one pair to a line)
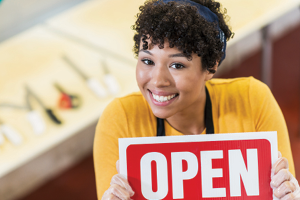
163, 98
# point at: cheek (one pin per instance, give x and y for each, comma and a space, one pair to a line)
189, 83
141, 76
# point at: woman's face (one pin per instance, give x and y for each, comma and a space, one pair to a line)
170, 82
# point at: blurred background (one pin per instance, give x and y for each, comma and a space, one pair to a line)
63, 61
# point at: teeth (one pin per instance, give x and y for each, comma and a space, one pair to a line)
163, 98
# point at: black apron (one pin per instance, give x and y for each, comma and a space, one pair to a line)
207, 116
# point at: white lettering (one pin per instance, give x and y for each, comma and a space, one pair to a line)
208, 173
146, 175
238, 170
178, 175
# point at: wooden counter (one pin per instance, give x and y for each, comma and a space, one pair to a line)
34, 58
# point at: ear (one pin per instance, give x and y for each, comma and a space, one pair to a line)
209, 75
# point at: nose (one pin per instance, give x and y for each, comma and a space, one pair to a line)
161, 76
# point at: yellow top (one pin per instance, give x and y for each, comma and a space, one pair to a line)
238, 105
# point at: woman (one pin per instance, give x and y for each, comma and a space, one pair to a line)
179, 45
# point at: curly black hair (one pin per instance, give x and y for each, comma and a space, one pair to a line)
181, 25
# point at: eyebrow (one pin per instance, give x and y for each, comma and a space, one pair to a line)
170, 56
145, 51
177, 55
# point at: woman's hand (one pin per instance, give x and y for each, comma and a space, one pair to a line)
119, 188
285, 185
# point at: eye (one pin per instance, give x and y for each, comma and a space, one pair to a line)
148, 62
177, 66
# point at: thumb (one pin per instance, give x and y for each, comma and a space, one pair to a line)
118, 166
279, 154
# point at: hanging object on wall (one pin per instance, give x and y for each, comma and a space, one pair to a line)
97, 88
110, 80
34, 117
36, 121
49, 112
66, 100
11, 134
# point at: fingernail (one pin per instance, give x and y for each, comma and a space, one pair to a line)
273, 184
276, 183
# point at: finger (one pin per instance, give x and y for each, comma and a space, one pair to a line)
108, 196
292, 196
113, 197
279, 154
285, 188
281, 163
118, 179
295, 182
118, 166
119, 192
282, 176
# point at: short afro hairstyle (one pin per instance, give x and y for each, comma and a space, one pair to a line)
180, 24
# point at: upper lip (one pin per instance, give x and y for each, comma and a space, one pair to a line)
162, 93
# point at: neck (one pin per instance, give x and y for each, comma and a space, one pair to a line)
190, 121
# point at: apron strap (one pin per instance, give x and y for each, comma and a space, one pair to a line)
209, 124
207, 118
160, 127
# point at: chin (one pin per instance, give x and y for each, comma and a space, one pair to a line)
163, 114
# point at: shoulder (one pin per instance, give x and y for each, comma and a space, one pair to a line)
132, 98
239, 93
123, 113
132, 114
134, 102
236, 83
237, 86
129, 106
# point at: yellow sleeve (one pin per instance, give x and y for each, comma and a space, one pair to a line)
111, 126
268, 117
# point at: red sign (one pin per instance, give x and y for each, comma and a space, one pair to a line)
225, 166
